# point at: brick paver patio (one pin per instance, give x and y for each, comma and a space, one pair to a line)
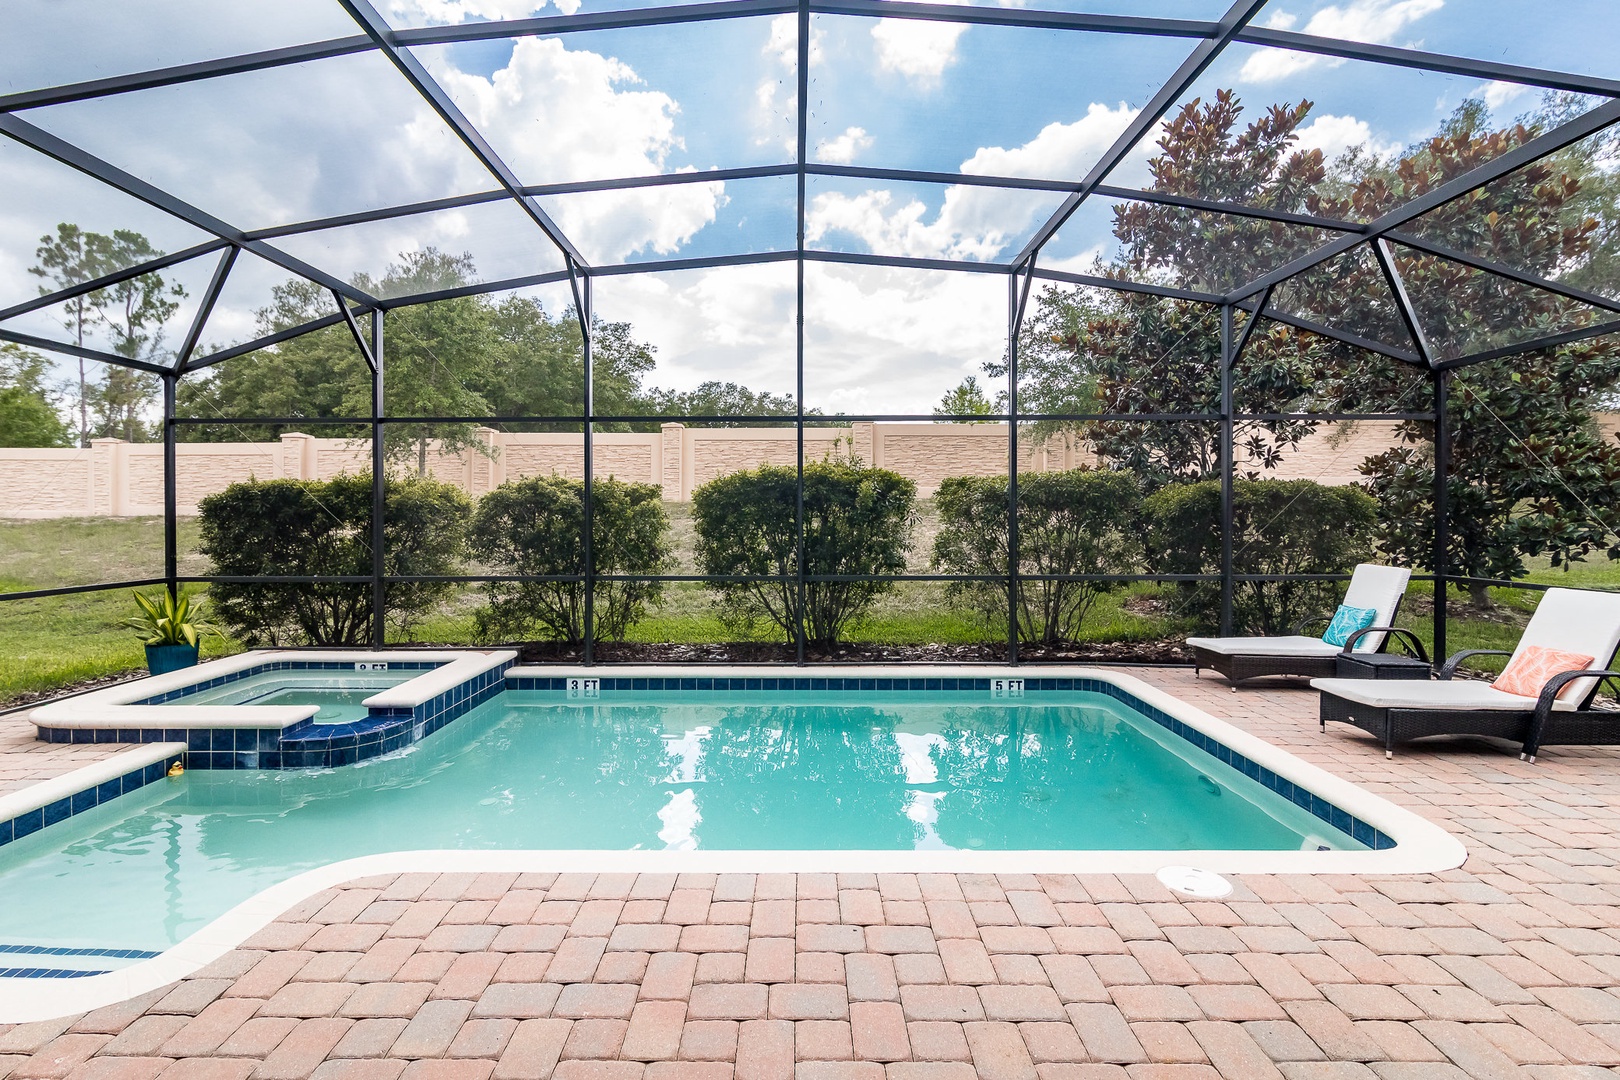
1508, 967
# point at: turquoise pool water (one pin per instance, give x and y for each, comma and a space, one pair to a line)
339, 694
648, 771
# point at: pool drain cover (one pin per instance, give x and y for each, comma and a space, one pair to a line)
1191, 881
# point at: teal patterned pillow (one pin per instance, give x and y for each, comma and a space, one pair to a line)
1346, 621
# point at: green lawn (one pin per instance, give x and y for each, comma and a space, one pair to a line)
63, 640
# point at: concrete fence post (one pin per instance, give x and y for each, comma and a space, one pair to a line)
673, 464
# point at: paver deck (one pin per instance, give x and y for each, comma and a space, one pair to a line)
1507, 967
24, 760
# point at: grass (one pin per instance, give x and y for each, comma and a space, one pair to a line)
59, 641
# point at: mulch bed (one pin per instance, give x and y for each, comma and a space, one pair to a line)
34, 697
753, 652
1132, 652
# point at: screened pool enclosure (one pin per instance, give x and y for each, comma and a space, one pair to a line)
1168, 238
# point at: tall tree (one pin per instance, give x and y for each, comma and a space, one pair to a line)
1087, 350
132, 314
65, 259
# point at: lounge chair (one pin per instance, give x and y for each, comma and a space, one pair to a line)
1569, 620
1244, 658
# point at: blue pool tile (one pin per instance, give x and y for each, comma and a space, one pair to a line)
60, 810
27, 823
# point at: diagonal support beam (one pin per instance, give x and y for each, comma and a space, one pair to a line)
1551, 341
33, 342
1490, 266
372, 22
1553, 141
1235, 19
205, 308
163, 262
354, 331
1403, 302
1427, 61
73, 157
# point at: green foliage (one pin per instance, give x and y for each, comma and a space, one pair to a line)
1083, 521
27, 419
857, 520
28, 415
262, 528
534, 528
1280, 527
1530, 474
1093, 350
131, 313
722, 399
966, 399
169, 618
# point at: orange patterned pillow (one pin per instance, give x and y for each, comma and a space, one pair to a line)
1535, 667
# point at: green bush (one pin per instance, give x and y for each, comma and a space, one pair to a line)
857, 520
1280, 527
1083, 521
268, 528
535, 528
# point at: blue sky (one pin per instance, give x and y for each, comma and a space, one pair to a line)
347, 134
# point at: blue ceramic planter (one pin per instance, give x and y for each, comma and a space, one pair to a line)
161, 658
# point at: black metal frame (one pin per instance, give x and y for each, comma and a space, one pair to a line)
1252, 298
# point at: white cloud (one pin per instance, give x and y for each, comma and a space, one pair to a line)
1498, 93
884, 339
731, 323
451, 12
1374, 21
843, 149
1333, 135
916, 49
597, 124
973, 222
776, 97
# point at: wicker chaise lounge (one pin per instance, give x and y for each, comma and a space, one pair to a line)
1569, 620
1243, 658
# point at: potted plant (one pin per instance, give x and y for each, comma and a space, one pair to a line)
170, 627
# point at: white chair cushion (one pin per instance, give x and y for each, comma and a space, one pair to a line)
1292, 645
1460, 694
1380, 588
1577, 621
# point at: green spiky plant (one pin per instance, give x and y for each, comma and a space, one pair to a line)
169, 618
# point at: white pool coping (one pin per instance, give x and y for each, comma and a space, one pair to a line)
1420, 845
112, 708
16, 803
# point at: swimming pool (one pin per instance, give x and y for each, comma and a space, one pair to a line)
648, 771
338, 696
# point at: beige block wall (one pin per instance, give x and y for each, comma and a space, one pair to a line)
114, 478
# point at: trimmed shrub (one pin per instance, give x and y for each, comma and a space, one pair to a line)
857, 520
270, 528
1083, 521
1280, 527
535, 528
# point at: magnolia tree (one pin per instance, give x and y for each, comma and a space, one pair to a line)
1087, 350
1531, 475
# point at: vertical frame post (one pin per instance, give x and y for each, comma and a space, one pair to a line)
1228, 358
1014, 559
379, 588
803, 105
1442, 510
171, 513
589, 526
